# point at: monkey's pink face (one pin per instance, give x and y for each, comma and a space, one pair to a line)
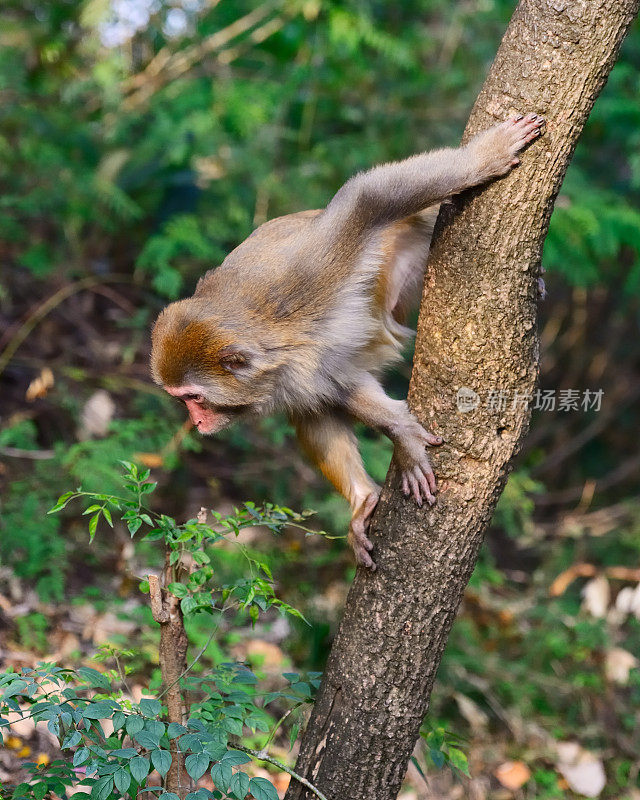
207, 419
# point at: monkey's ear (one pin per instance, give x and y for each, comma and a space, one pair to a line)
233, 358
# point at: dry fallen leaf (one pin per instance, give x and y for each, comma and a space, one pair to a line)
39, 387
597, 595
96, 415
513, 774
266, 654
566, 578
151, 460
582, 770
108, 625
628, 601
472, 712
618, 663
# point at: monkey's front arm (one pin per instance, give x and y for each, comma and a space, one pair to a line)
395, 191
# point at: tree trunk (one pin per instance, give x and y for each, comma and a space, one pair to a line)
477, 330
172, 653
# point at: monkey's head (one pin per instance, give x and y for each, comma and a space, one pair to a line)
210, 367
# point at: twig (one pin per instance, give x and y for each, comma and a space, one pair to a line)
19, 452
166, 67
41, 312
192, 664
158, 610
264, 757
584, 570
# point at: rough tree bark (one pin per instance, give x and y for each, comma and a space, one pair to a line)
166, 611
477, 329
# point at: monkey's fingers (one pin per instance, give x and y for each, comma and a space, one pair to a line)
370, 506
433, 440
420, 482
525, 129
358, 539
427, 481
361, 546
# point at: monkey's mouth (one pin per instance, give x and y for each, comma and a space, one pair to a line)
217, 418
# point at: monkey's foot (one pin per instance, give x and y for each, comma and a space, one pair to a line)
497, 148
358, 529
417, 475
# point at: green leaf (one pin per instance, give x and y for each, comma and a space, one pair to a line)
222, 774
107, 516
188, 605
155, 727
161, 760
459, 760
125, 752
139, 767
262, 789
190, 742
16, 687
102, 788
293, 735
94, 678
122, 780
197, 764
147, 739
216, 750
150, 707
40, 790
168, 796
93, 525
61, 502
99, 710
71, 740
438, 757
80, 756
232, 725
175, 729
118, 720
239, 785
134, 724
235, 758
177, 589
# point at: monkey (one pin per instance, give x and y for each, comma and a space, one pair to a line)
305, 314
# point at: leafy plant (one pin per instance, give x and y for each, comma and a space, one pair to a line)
149, 735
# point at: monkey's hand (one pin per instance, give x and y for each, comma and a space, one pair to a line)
358, 529
495, 150
418, 479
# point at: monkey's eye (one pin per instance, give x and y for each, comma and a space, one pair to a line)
198, 398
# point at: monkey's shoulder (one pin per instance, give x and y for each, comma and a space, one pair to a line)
274, 252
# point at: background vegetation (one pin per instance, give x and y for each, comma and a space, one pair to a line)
139, 143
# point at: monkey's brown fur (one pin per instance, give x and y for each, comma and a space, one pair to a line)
305, 314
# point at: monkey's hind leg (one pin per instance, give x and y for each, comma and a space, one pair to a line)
331, 444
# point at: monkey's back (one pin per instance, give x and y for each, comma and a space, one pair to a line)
339, 301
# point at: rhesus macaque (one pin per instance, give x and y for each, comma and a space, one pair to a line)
304, 315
